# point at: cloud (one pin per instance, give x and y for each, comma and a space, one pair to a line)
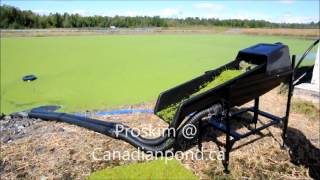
238, 15
170, 12
41, 11
132, 13
208, 6
290, 18
287, 1
167, 12
81, 12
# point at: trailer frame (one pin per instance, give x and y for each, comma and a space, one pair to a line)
232, 136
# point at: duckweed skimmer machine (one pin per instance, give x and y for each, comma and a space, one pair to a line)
273, 66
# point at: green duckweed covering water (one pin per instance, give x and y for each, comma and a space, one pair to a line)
168, 113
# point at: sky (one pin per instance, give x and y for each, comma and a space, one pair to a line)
289, 11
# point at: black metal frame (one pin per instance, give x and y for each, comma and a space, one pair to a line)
232, 136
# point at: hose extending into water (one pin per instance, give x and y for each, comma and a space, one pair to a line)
154, 145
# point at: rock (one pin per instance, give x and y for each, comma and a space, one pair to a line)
72, 151
39, 149
115, 118
20, 127
66, 176
22, 175
7, 118
5, 139
26, 123
43, 178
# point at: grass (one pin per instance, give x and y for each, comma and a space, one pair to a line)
282, 32
168, 113
306, 108
157, 169
98, 72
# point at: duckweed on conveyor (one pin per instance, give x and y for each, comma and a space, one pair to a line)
167, 114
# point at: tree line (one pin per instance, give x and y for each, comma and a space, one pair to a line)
14, 18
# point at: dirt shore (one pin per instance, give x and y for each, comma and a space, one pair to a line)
35, 149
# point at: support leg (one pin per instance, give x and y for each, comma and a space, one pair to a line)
290, 91
200, 135
256, 109
228, 143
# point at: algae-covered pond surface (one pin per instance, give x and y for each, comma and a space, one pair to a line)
96, 72
157, 169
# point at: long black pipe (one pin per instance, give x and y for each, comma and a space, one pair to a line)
169, 141
62, 117
108, 129
159, 144
49, 115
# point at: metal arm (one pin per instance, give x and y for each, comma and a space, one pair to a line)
306, 53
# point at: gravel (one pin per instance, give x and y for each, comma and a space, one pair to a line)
13, 128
